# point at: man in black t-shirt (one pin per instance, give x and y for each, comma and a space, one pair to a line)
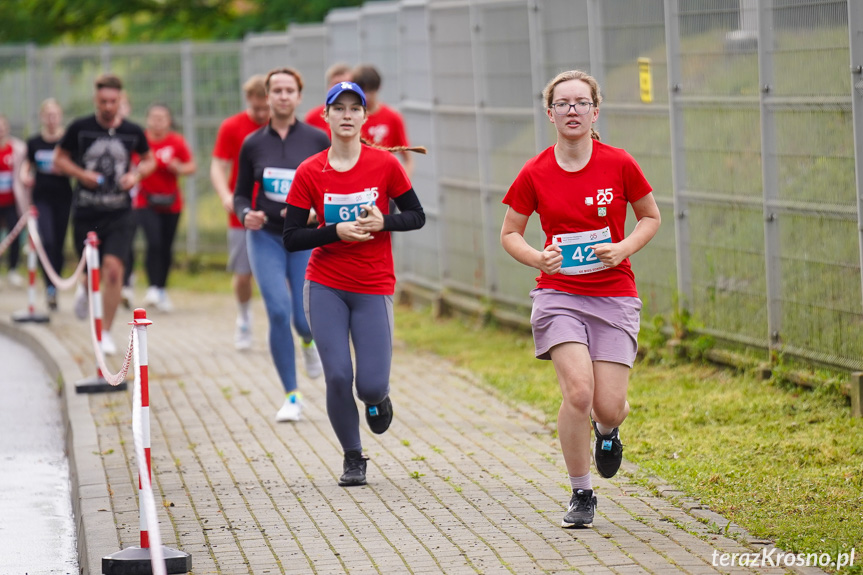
97, 151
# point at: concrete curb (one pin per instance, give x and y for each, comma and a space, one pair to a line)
91, 503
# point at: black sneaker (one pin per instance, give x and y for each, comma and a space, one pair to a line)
355, 469
608, 452
581, 509
380, 416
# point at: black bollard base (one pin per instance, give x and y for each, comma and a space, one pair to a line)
136, 561
26, 316
98, 384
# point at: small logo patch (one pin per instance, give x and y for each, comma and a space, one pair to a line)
373, 411
606, 445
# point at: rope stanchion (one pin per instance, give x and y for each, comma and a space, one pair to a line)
30, 315
103, 381
151, 556
13, 233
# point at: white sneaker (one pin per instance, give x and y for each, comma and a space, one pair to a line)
15, 279
291, 409
314, 369
127, 297
164, 304
108, 346
82, 302
151, 298
243, 336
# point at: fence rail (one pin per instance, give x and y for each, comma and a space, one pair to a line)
744, 115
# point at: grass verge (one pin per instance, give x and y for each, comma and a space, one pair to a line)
784, 463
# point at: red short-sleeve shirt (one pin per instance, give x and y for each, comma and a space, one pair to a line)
360, 267
591, 199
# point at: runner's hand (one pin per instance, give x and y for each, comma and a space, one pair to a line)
550, 259
373, 221
254, 220
352, 232
609, 254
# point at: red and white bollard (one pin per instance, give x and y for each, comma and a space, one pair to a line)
91, 253
141, 322
32, 261
139, 559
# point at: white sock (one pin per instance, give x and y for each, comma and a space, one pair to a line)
603, 429
582, 482
244, 312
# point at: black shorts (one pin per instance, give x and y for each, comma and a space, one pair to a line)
114, 229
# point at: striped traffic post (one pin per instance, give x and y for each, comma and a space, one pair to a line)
32, 261
133, 560
91, 253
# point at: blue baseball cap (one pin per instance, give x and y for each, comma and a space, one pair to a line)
343, 87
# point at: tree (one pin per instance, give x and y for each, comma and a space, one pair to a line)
73, 21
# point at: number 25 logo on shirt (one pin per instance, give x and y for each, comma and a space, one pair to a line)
604, 196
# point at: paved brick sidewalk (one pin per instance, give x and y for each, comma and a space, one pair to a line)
461, 483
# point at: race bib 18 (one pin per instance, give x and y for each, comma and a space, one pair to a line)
277, 183
578, 258
346, 207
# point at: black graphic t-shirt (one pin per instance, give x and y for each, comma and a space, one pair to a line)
107, 151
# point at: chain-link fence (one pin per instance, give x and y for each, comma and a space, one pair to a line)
742, 113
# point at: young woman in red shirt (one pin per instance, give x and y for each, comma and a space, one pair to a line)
585, 314
350, 279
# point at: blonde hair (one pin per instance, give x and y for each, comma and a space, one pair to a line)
255, 86
49, 102
595, 95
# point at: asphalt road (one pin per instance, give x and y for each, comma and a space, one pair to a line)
37, 532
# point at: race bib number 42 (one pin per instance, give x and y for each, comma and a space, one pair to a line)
346, 207
277, 183
578, 258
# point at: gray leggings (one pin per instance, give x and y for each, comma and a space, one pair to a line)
338, 317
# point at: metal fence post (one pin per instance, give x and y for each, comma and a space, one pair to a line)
190, 133
855, 27
678, 156
769, 176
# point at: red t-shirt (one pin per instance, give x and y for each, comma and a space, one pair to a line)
163, 181
7, 165
385, 128
315, 117
229, 140
589, 200
359, 267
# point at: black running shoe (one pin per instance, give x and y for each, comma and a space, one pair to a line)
608, 452
380, 416
355, 469
582, 506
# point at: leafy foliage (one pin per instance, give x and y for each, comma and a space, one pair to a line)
134, 21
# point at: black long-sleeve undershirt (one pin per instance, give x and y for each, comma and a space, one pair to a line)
297, 236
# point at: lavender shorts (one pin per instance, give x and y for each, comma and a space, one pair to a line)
608, 326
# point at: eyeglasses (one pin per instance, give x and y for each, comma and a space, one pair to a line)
563, 108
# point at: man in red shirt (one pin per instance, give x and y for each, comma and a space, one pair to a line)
384, 126
223, 175
336, 74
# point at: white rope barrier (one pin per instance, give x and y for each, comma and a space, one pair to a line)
61, 284
13, 233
